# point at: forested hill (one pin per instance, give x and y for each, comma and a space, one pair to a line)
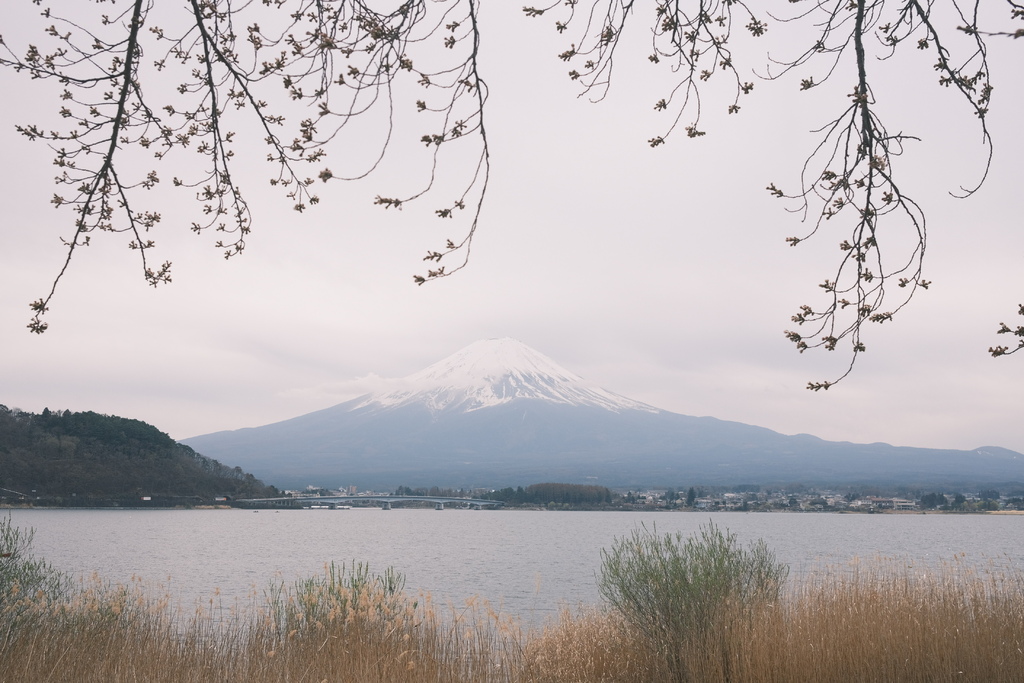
79, 458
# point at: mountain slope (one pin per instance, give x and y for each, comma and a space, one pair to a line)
498, 413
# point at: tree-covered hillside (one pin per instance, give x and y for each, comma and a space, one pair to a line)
75, 458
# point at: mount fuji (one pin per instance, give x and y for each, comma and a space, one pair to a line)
498, 413
496, 372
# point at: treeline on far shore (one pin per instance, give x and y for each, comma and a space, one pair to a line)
743, 498
559, 495
552, 495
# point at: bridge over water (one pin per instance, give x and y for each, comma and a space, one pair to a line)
386, 501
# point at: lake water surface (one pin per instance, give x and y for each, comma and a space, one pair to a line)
527, 562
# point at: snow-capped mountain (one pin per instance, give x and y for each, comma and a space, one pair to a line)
494, 372
497, 413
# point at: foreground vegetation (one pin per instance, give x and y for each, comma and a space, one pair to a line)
878, 622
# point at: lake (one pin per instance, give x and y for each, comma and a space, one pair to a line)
528, 563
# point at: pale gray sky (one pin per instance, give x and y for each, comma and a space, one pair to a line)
660, 274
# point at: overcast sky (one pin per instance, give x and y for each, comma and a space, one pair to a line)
660, 274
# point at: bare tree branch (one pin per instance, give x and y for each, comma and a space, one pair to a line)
219, 71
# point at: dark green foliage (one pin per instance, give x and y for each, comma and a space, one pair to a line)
930, 501
80, 458
432, 491
573, 495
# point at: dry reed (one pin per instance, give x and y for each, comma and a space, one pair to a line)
877, 621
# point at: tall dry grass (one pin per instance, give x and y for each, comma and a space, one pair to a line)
328, 628
875, 621
889, 621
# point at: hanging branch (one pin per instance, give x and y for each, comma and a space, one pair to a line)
1018, 332
340, 62
848, 182
222, 69
850, 175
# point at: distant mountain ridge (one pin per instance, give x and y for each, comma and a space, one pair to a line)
498, 413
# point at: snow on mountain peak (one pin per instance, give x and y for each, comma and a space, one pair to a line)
495, 371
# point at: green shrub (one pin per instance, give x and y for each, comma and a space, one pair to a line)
26, 583
21, 574
681, 593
